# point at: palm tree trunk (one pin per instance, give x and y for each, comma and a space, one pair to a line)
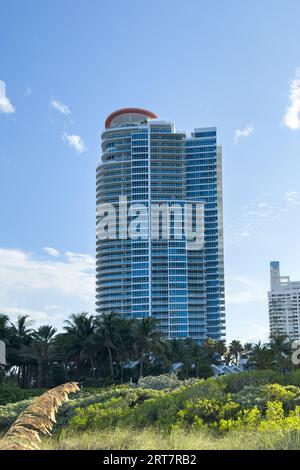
111, 364
78, 368
19, 375
40, 375
92, 366
23, 376
141, 364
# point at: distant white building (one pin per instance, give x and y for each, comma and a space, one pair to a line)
284, 304
2, 353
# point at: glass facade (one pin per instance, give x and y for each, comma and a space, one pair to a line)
150, 163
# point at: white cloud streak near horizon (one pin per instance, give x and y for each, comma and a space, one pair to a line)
5, 104
246, 132
62, 108
291, 118
74, 141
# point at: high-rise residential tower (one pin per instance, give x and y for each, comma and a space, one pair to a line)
146, 163
284, 304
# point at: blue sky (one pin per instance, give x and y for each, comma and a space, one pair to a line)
65, 65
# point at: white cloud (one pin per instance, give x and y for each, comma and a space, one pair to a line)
62, 108
245, 234
35, 315
292, 199
48, 291
28, 91
270, 208
240, 290
53, 307
291, 118
256, 333
51, 251
264, 205
74, 141
238, 133
5, 104
80, 259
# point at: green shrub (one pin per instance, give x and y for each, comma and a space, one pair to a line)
250, 396
87, 397
139, 407
245, 419
235, 382
291, 378
159, 411
163, 382
202, 411
10, 412
106, 412
162, 410
276, 421
206, 412
12, 394
100, 415
289, 395
209, 388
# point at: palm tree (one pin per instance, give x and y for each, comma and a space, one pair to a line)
4, 336
189, 352
4, 328
248, 348
107, 332
201, 357
227, 357
236, 349
41, 350
209, 346
214, 349
21, 334
80, 340
280, 347
124, 344
220, 347
260, 356
147, 339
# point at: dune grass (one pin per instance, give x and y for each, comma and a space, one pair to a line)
155, 439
